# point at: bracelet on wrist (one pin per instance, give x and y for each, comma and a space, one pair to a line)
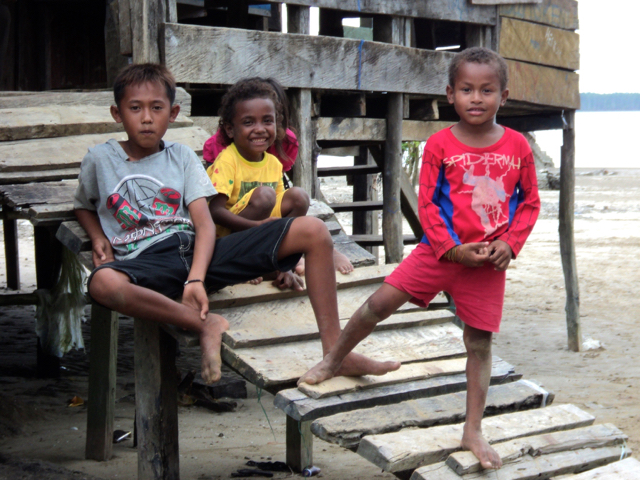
193, 281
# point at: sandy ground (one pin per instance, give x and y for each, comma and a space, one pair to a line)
36, 423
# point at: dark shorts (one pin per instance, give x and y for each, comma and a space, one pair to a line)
237, 258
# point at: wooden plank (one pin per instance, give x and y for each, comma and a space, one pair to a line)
391, 172
409, 449
406, 373
124, 27
38, 193
67, 152
102, 383
305, 166
543, 85
289, 319
624, 469
374, 129
10, 178
196, 54
347, 429
593, 436
11, 248
557, 13
531, 468
530, 42
297, 405
40, 213
102, 98
74, 237
348, 170
378, 240
62, 120
455, 11
274, 366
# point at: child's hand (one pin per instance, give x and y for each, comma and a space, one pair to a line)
500, 254
195, 296
101, 251
290, 280
472, 254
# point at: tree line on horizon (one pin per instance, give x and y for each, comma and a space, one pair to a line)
609, 102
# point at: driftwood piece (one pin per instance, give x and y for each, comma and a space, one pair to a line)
406, 373
347, 429
593, 436
297, 405
409, 449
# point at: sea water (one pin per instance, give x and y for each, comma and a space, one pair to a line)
603, 140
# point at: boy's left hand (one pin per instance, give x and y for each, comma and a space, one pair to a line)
500, 254
195, 296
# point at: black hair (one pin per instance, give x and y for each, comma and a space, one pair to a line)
479, 55
137, 74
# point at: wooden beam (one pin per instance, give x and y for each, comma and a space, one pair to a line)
373, 129
304, 169
532, 123
209, 55
299, 444
567, 242
102, 383
391, 172
124, 25
11, 247
434, 9
557, 13
541, 44
543, 85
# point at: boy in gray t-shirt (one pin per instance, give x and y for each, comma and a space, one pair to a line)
143, 203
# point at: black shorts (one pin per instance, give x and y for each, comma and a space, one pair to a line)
239, 257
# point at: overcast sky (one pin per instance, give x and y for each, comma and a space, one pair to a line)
609, 43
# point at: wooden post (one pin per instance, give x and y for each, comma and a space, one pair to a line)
156, 402
102, 383
301, 112
147, 18
365, 222
10, 226
299, 444
567, 244
392, 212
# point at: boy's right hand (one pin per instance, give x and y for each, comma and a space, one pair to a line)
102, 251
473, 254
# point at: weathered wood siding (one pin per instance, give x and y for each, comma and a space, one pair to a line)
539, 44
557, 13
543, 85
223, 56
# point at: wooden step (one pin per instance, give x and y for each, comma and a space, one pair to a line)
68, 152
408, 449
274, 367
625, 469
347, 429
302, 408
377, 240
361, 206
348, 170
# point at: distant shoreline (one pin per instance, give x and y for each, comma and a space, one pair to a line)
609, 102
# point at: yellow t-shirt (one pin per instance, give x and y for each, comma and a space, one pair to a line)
234, 176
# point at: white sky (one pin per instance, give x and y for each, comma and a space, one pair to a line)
609, 44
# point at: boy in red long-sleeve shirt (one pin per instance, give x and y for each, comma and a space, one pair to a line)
478, 202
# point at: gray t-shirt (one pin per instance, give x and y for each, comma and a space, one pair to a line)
140, 203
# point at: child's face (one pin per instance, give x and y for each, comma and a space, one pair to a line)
254, 127
145, 112
476, 95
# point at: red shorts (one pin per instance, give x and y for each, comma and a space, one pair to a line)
478, 293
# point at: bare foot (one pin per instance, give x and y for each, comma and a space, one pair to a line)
476, 443
342, 263
300, 267
353, 365
210, 344
255, 281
